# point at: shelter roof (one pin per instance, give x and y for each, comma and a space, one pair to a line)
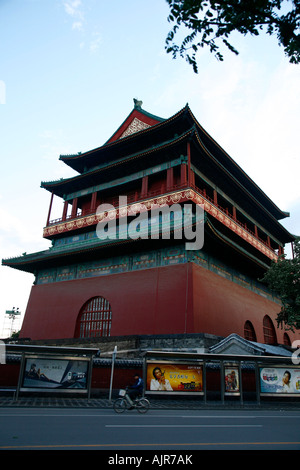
235, 344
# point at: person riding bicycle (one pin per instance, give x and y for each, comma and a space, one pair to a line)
137, 388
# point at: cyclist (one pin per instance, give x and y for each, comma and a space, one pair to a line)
137, 388
131, 398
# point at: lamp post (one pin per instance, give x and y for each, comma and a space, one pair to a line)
12, 315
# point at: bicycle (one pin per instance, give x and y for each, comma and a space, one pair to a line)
125, 403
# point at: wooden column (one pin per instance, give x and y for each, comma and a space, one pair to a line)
74, 208
170, 178
65, 210
215, 197
144, 191
192, 178
189, 163
183, 176
93, 202
50, 207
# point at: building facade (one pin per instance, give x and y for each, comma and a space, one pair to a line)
94, 281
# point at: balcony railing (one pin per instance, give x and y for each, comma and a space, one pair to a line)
138, 197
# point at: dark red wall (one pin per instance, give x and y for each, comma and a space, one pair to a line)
222, 307
184, 298
9, 375
149, 301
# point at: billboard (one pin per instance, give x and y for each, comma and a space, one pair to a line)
56, 374
232, 380
167, 377
279, 380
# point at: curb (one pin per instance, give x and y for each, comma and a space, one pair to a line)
102, 403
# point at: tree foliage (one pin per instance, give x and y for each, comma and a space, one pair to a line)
283, 278
210, 22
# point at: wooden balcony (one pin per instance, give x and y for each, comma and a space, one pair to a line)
177, 193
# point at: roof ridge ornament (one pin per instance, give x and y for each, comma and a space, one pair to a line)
137, 103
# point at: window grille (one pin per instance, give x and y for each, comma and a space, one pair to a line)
249, 332
269, 331
94, 319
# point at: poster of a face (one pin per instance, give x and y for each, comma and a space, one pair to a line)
44, 373
279, 380
174, 377
232, 384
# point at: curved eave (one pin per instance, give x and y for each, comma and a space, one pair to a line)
82, 160
31, 263
48, 258
63, 186
86, 159
244, 253
287, 237
234, 168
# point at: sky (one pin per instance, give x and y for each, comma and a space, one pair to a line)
69, 70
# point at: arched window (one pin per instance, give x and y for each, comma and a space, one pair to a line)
249, 332
286, 340
269, 331
94, 319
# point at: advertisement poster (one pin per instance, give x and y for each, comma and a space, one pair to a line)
170, 377
55, 374
232, 382
279, 380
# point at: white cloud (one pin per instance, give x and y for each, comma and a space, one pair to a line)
77, 25
95, 43
72, 7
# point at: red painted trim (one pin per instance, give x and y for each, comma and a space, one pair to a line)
134, 114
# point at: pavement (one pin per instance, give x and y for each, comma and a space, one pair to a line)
155, 403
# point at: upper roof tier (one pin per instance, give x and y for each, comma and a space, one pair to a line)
141, 132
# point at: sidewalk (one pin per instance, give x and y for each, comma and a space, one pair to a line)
156, 403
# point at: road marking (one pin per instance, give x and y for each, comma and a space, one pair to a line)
183, 426
92, 413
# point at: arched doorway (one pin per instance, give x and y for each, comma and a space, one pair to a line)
94, 319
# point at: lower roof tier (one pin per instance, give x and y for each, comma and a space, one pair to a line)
120, 263
240, 256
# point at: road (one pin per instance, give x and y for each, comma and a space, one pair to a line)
160, 430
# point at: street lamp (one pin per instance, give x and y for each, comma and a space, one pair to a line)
12, 315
